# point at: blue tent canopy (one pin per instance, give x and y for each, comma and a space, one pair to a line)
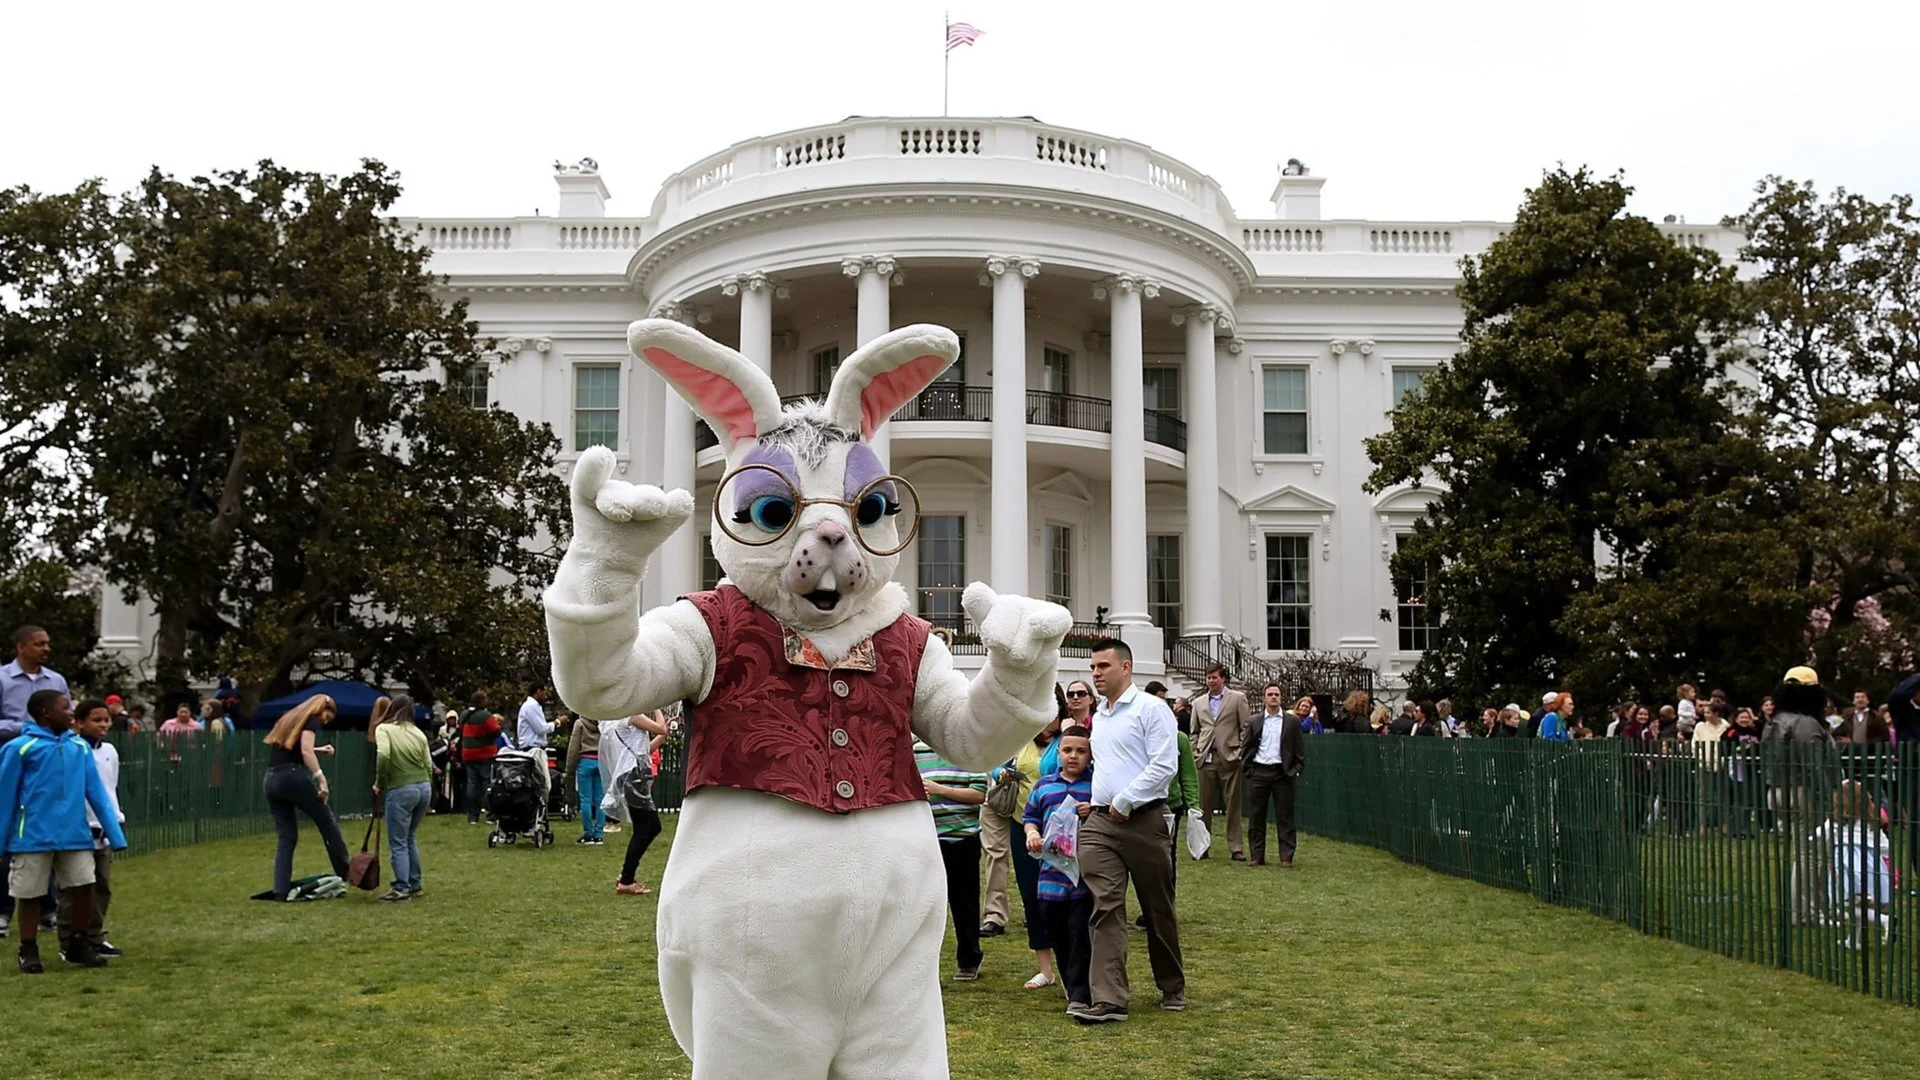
355, 700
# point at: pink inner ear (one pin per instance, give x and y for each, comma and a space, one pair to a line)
719, 398
890, 390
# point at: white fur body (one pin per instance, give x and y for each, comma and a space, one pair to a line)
794, 943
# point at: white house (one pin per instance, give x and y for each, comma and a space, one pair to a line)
1159, 413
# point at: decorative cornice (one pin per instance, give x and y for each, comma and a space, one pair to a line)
754, 281
1206, 313
1228, 256
1340, 345
682, 312
1145, 286
507, 348
1236, 346
884, 265
996, 265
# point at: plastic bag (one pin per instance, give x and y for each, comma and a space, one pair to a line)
1060, 840
1199, 838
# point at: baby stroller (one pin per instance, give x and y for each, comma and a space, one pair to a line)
559, 791
517, 799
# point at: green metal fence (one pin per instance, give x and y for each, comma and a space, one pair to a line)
1802, 856
179, 792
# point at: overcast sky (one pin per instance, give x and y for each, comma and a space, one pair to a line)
1415, 110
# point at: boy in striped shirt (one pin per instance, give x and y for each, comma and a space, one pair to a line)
1068, 905
956, 796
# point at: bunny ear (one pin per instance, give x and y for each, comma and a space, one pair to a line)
736, 399
886, 373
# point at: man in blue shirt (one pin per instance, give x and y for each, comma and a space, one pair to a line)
19, 680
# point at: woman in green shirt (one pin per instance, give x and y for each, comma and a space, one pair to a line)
403, 769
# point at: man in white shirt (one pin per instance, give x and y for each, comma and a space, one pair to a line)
1124, 832
534, 727
1276, 752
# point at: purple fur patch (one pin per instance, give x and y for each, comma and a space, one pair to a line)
757, 483
863, 468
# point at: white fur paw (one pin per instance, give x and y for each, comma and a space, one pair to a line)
1019, 629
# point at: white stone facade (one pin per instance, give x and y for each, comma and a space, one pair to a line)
1185, 377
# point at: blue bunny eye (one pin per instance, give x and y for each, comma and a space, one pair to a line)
771, 512
874, 506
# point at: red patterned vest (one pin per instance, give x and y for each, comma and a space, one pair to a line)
779, 720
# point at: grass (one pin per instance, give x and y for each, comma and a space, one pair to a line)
524, 963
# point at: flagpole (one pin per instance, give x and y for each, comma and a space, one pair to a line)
946, 59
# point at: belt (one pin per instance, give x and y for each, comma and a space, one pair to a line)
1148, 805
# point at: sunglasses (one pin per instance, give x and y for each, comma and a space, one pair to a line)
1078, 693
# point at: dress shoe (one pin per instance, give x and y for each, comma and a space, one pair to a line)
1286, 864
1257, 862
1239, 856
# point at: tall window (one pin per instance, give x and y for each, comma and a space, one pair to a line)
825, 362
1060, 565
1405, 381
1163, 582
596, 407
1416, 631
709, 566
1284, 410
1289, 594
473, 384
1056, 369
943, 568
1162, 386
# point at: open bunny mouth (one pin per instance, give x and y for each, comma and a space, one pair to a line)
824, 599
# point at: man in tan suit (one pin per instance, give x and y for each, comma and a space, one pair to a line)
1220, 720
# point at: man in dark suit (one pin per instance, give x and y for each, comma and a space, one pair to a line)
1274, 753
1220, 717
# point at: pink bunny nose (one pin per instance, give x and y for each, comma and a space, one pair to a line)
830, 533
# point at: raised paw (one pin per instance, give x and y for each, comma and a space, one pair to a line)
1020, 629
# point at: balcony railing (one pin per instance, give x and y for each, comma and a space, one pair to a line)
953, 401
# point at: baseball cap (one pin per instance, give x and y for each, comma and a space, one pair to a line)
1803, 676
114, 699
1549, 697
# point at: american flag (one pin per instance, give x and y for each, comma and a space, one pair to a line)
959, 34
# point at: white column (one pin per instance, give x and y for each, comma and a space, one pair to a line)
1128, 594
756, 291
677, 562
1200, 552
876, 274
1009, 274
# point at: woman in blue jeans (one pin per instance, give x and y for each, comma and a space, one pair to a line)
296, 785
403, 769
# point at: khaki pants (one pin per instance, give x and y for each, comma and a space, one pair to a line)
96, 930
995, 837
1110, 851
1220, 781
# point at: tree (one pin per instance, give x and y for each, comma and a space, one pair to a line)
1836, 317
45, 593
281, 472
1587, 333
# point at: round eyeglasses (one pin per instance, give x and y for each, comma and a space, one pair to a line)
756, 505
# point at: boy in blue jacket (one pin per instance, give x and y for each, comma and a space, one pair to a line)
1066, 904
47, 782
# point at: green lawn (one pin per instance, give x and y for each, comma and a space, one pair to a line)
524, 963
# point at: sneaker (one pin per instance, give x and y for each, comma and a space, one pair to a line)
30, 958
4, 920
585, 841
395, 896
992, 929
1174, 1002
107, 948
80, 951
1101, 1012
971, 974
1076, 1008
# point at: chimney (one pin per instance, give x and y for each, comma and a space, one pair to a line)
582, 193
1296, 197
